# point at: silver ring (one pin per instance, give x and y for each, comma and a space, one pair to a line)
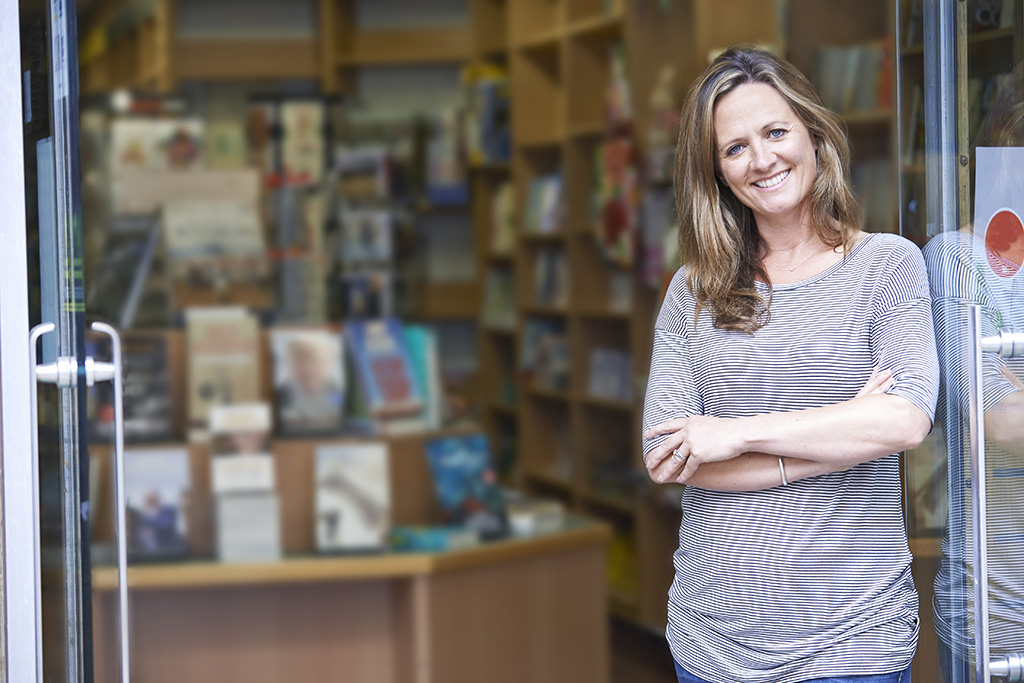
679, 456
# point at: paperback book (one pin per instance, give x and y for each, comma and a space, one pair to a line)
148, 412
383, 367
242, 461
302, 142
545, 354
214, 244
499, 310
367, 294
616, 200
157, 485
151, 144
353, 497
365, 237
544, 204
309, 381
432, 539
467, 485
551, 277
223, 359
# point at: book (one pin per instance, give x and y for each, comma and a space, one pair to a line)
486, 121
532, 516
146, 192
364, 173
303, 148
213, 244
353, 497
151, 144
148, 410
309, 381
241, 460
499, 310
432, 539
467, 485
248, 527
157, 486
545, 354
383, 368
422, 344
503, 220
446, 180
610, 376
551, 278
544, 204
223, 359
616, 200
226, 144
367, 294
365, 237
618, 102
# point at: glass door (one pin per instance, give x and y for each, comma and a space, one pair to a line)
44, 375
961, 151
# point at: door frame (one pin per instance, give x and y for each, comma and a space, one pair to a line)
20, 619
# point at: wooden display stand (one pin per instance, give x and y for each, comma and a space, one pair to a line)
511, 611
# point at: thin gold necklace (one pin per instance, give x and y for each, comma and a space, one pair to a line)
790, 270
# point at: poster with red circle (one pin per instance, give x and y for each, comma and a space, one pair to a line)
998, 211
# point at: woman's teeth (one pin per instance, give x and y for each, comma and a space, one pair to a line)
773, 181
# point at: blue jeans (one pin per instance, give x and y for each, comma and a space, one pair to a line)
898, 677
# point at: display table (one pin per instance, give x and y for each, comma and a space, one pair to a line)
517, 610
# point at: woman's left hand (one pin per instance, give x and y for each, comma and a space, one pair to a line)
692, 441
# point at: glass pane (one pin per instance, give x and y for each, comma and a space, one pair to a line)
52, 210
962, 189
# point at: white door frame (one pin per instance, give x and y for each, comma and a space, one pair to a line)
19, 624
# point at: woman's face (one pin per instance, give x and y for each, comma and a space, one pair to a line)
765, 153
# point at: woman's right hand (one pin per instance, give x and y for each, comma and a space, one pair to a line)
878, 383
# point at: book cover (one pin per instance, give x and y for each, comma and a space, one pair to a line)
503, 220
225, 145
365, 237
213, 244
223, 359
248, 527
148, 413
309, 381
364, 173
432, 539
421, 342
610, 376
544, 204
353, 497
446, 180
242, 460
148, 144
157, 485
384, 368
466, 484
616, 200
367, 295
551, 278
302, 142
545, 354
499, 311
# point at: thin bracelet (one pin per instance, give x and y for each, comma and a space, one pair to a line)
782, 471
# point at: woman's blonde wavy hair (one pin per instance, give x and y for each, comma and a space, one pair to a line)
718, 238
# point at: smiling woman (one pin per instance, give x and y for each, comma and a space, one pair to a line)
783, 400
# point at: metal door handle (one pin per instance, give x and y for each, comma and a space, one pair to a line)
1006, 344
33, 341
1009, 668
99, 372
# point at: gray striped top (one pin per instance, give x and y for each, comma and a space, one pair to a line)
813, 579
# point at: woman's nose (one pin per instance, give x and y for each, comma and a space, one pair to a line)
761, 157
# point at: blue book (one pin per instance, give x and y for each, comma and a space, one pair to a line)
383, 367
467, 485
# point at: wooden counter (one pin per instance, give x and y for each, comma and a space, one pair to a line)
517, 610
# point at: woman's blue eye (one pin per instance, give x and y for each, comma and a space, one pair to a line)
776, 132
735, 149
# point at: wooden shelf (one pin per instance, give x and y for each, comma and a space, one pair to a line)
501, 259
615, 505
509, 332
557, 237
409, 46
607, 27
621, 316
549, 41
548, 394
503, 409
552, 481
578, 533
492, 167
540, 144
449, 300
588, 129
546, 311
224, 59
874, 117
608, 404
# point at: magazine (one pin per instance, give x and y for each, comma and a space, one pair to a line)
157, 484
